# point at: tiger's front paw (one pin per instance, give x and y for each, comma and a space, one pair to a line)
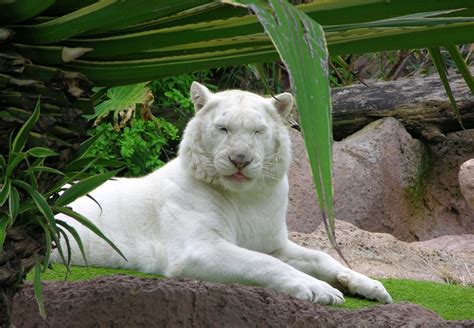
313, 290
362, 285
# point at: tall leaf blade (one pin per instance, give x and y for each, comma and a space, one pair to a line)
5, 191
14, 204
462, 66
41, 152
83, 187
39, 290
3, 229
88, 224
435, 54
301, 44
22, 136
76, 237
69, 252
40, 203
47, 235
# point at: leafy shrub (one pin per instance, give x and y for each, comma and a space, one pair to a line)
140, 145
143, 136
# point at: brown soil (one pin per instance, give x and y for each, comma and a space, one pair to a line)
123, 301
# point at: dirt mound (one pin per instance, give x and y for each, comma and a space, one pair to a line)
447, 258
123, 301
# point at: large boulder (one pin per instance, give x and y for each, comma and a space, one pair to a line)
387, 181
121, 301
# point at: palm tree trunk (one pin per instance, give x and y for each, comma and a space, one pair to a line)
21, 249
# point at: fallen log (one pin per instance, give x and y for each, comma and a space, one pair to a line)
421, 104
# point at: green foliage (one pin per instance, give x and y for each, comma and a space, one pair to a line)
120, 98
139, 145
451, 302
173, 92
146, 138
58, 272
25, 203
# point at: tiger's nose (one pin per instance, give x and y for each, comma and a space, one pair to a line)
240, 161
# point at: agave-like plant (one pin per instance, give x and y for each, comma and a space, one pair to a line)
58, 49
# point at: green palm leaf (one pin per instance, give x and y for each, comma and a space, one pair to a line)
306, 58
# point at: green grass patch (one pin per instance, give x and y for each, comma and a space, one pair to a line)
59, 272
451, 302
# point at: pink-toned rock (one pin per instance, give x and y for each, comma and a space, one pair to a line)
303, 211
387, 181
372, 170
466, 182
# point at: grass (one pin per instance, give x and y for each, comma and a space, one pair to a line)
451, 302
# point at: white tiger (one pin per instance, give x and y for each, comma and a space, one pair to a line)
218, 211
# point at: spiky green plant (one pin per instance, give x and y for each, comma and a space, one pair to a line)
29, 197
58, 49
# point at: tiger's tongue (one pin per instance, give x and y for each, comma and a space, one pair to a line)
239, 176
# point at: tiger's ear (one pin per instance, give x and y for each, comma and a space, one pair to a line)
283, 103
199, 95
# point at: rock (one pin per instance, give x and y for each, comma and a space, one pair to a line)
122, 301
372, 169
303, 211
466, 182
387, 181
443, 210
443, 259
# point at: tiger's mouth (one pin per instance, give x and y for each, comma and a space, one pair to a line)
238, 177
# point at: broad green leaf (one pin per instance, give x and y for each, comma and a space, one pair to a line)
301, 44
22, 135
40, 202
76, 237
88, 224
49, 55
83, 187
41, 152
462, 66
121, 98
100, 16
435, 54
12, 11
38, 290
